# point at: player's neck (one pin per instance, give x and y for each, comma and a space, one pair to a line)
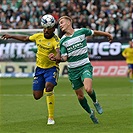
49, 36
70, 32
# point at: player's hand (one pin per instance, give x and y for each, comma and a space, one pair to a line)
58, 57
110, 38
6, 36
52, 57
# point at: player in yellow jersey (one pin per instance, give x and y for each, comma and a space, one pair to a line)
46, 72
128, 54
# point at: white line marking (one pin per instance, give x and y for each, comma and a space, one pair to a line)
63, 95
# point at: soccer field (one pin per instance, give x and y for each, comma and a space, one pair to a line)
20, 113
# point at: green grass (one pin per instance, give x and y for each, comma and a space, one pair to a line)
20, 113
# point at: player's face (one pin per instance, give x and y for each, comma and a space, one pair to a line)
48, 32
64, 23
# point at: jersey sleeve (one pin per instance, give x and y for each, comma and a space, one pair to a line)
124, 52
87, 32
33, 37
63, 50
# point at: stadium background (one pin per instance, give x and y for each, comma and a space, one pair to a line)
17, 17
19, 113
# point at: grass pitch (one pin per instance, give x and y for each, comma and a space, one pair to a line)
20, 113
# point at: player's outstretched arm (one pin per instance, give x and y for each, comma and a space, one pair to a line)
101, 33
21, 38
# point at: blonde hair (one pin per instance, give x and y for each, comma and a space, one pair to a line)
65, 17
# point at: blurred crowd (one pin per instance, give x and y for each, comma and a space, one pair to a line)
114, 16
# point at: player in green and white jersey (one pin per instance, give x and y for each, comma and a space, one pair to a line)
74, 50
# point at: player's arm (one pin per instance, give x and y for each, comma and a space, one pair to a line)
20, 38
124, 53
101, 33
57, 58
58, 53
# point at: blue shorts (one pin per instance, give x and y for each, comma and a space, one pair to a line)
130, 66
45, 75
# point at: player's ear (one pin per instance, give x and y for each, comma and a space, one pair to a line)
68, 22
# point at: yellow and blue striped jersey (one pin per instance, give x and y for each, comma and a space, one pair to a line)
44, 48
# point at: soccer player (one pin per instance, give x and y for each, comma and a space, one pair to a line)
128, 54
46, 72
74, 50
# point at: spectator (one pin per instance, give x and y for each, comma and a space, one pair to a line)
1, 10
34, 21
113, 6
90, 6
14, 5
110, 29
55, 14
101, 24
25, 6
9, 12
0, 25
40, 11
2, 17
125, 24
14, 19
93, 15
93, 24
29, 25
84, 10
111, 11
4, 5
117, 31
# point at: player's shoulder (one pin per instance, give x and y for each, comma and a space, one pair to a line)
37, 34
128, 48
81, 30
78, 29
62, 38
56, 38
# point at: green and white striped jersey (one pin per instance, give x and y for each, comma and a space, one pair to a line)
75, 47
